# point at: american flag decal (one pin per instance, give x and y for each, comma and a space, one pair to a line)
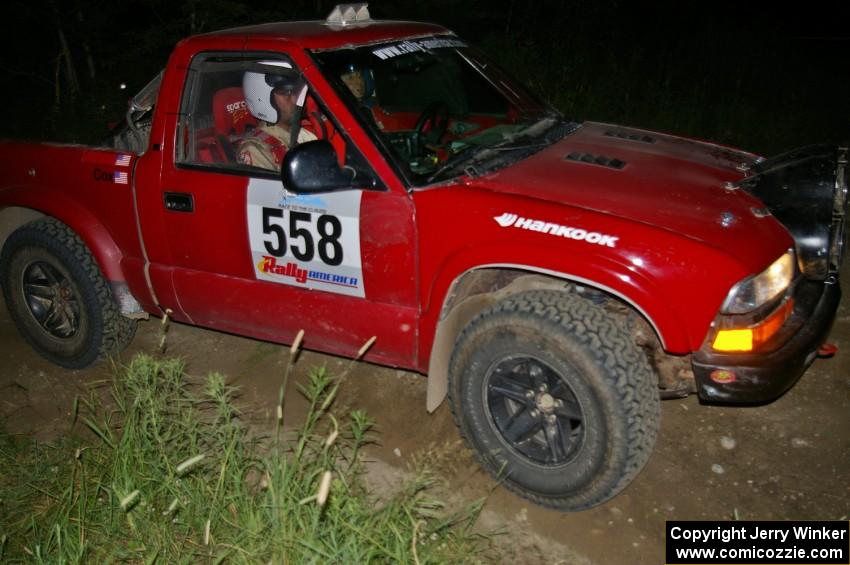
122, 160
120, 177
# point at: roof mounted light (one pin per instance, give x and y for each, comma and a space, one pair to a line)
346, 14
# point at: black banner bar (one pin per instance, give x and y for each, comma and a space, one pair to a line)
758, 543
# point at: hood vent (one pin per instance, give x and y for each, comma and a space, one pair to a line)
630, 136
591, 159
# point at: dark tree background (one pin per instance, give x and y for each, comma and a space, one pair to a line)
762, 77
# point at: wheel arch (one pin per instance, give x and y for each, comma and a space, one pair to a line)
479, 287
31, 205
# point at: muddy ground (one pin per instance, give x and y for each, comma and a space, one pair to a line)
787, 460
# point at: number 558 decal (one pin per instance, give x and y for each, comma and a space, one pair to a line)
310, 241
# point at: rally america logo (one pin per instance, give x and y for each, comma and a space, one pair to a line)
269, 265
507, 220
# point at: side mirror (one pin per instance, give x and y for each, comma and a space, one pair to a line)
313, 167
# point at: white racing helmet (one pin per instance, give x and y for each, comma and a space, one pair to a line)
258, 89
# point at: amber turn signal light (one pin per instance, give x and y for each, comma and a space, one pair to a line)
748, 339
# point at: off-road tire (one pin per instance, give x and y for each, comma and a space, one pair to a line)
102, 330
606, 373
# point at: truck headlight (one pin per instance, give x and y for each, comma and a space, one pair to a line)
753, 292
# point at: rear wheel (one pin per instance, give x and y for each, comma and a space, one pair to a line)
555, 398
58, 297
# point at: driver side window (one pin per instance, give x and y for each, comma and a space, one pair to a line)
215, 117
245, 113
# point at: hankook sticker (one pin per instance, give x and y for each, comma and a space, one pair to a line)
507, 220
310, 241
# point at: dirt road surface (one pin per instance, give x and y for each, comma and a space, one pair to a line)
786, 460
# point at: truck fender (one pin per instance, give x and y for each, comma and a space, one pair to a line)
32, 203
465, 299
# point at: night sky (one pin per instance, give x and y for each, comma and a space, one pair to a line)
747, 74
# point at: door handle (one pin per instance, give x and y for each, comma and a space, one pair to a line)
179, 202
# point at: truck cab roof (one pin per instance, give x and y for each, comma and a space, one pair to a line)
319, 34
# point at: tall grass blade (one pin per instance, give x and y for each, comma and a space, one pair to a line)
302, 501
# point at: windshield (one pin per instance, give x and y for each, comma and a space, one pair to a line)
438, 107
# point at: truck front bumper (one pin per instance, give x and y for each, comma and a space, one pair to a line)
755, 378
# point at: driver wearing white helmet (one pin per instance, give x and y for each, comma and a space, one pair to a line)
277, 100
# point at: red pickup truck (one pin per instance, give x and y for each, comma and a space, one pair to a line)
553, 278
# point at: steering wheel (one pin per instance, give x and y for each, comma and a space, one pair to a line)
432, 123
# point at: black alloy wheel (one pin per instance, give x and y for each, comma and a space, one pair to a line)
535, 410
52, 299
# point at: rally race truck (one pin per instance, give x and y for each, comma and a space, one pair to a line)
553, 278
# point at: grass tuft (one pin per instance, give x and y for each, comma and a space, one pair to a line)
169, 474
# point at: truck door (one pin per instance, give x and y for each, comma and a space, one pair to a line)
249, 258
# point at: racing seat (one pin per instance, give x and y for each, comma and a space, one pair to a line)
231, 120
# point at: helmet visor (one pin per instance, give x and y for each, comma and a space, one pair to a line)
287, 84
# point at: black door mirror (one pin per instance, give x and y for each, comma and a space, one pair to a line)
312, 167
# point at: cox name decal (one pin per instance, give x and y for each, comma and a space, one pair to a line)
117, 177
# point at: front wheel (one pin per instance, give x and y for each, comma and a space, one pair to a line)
555, 398
58, 297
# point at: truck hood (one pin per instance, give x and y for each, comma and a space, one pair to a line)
672, 183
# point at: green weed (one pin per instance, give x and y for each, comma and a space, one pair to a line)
169, 474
